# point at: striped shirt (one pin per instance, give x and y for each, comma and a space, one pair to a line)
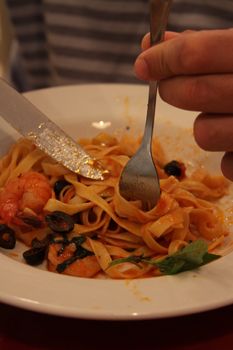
89, 41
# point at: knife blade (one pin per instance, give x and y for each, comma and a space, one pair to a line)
30, 122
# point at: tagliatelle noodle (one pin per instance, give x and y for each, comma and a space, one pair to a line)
114, 227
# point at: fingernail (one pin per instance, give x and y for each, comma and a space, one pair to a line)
141, 68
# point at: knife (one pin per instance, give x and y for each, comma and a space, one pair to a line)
30, 122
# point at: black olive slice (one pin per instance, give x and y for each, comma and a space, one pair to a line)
58, 187
173, 168
34, 256
60, 222
7, 237
31, 220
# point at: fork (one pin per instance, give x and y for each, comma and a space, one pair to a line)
139, 179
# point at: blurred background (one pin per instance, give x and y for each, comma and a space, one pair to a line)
5, 40
63, 42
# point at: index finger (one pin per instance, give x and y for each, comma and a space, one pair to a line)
202, 52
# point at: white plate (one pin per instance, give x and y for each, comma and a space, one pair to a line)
76, 108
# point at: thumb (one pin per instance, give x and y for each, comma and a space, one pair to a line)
153, 63
145, 44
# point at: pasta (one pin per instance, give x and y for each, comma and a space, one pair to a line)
109, 236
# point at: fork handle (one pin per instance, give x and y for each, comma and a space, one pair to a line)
159, 11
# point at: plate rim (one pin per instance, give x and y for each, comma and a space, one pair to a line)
52, 309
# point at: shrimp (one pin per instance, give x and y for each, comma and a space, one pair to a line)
30, 190
85, 267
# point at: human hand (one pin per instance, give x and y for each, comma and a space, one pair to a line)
195, 72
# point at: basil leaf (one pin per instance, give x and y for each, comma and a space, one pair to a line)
208, 257
132, 259
190, 257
